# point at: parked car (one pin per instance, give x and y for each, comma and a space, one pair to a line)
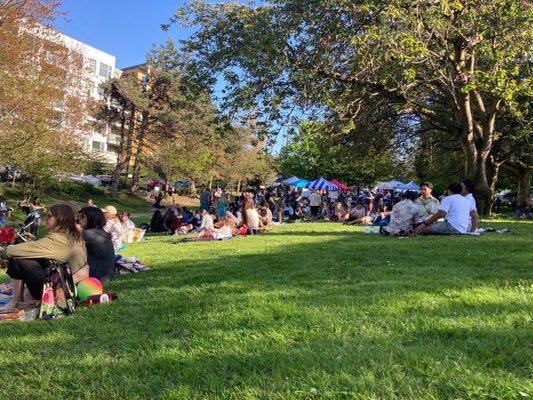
8, 173
182, 184
79, 178
153, 183
105, 179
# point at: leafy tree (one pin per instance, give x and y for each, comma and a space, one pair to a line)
453, 64
122, 103
43, 99
357, 157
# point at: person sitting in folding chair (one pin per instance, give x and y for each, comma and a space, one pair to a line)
27, 262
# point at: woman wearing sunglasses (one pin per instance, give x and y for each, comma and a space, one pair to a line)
63, 242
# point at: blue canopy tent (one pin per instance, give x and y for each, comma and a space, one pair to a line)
411, 186
322, 184
392, 185
300, 184
290, 181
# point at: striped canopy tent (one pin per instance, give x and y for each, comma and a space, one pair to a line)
322, 184
300, 184
290, 181
340, 185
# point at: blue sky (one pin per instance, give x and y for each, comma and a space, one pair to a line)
126, 29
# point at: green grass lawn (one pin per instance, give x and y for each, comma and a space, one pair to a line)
316, 311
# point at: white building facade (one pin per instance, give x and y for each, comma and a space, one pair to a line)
100, 66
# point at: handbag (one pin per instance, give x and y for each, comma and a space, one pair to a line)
59, 292
243, 230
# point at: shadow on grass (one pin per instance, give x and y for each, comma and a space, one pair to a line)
345, 313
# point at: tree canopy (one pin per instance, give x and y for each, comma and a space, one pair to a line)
453, 64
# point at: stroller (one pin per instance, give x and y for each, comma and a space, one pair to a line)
27, 230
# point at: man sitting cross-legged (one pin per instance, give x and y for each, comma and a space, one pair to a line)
456, 210
404, 215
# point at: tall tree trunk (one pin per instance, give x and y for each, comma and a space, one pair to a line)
124, 150
476, 160
138, 154
211, 182
524, 185
239, 186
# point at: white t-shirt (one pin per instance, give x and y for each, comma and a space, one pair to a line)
315, 199
471, 199
207, 222
457, 209
128, 224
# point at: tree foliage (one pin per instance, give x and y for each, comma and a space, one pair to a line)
453, 64
43, 98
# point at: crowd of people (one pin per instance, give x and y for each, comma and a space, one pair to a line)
217, 217
90, 239
221, 216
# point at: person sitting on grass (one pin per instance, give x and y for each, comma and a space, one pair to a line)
26, 262
404, 216
100, 251
225, 231
113, 226
207, 220
157, 223
356, 214
340, 211
250, 217
370, 215
279, 212
126, 221
288, 211
265, 215
428, 204
469, 194
297, 216
458, 212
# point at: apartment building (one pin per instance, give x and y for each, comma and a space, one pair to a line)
100, 66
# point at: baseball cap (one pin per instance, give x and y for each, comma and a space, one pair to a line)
110, 210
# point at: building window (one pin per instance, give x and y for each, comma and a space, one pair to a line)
105, 70
92, 66
98, 146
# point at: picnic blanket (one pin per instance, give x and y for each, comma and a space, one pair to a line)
28, 313
129, 265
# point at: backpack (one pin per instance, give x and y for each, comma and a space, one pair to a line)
243, 230
59, 292
7, 235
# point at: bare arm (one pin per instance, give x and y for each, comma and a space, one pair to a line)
475, 220
435, 217
428, 221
